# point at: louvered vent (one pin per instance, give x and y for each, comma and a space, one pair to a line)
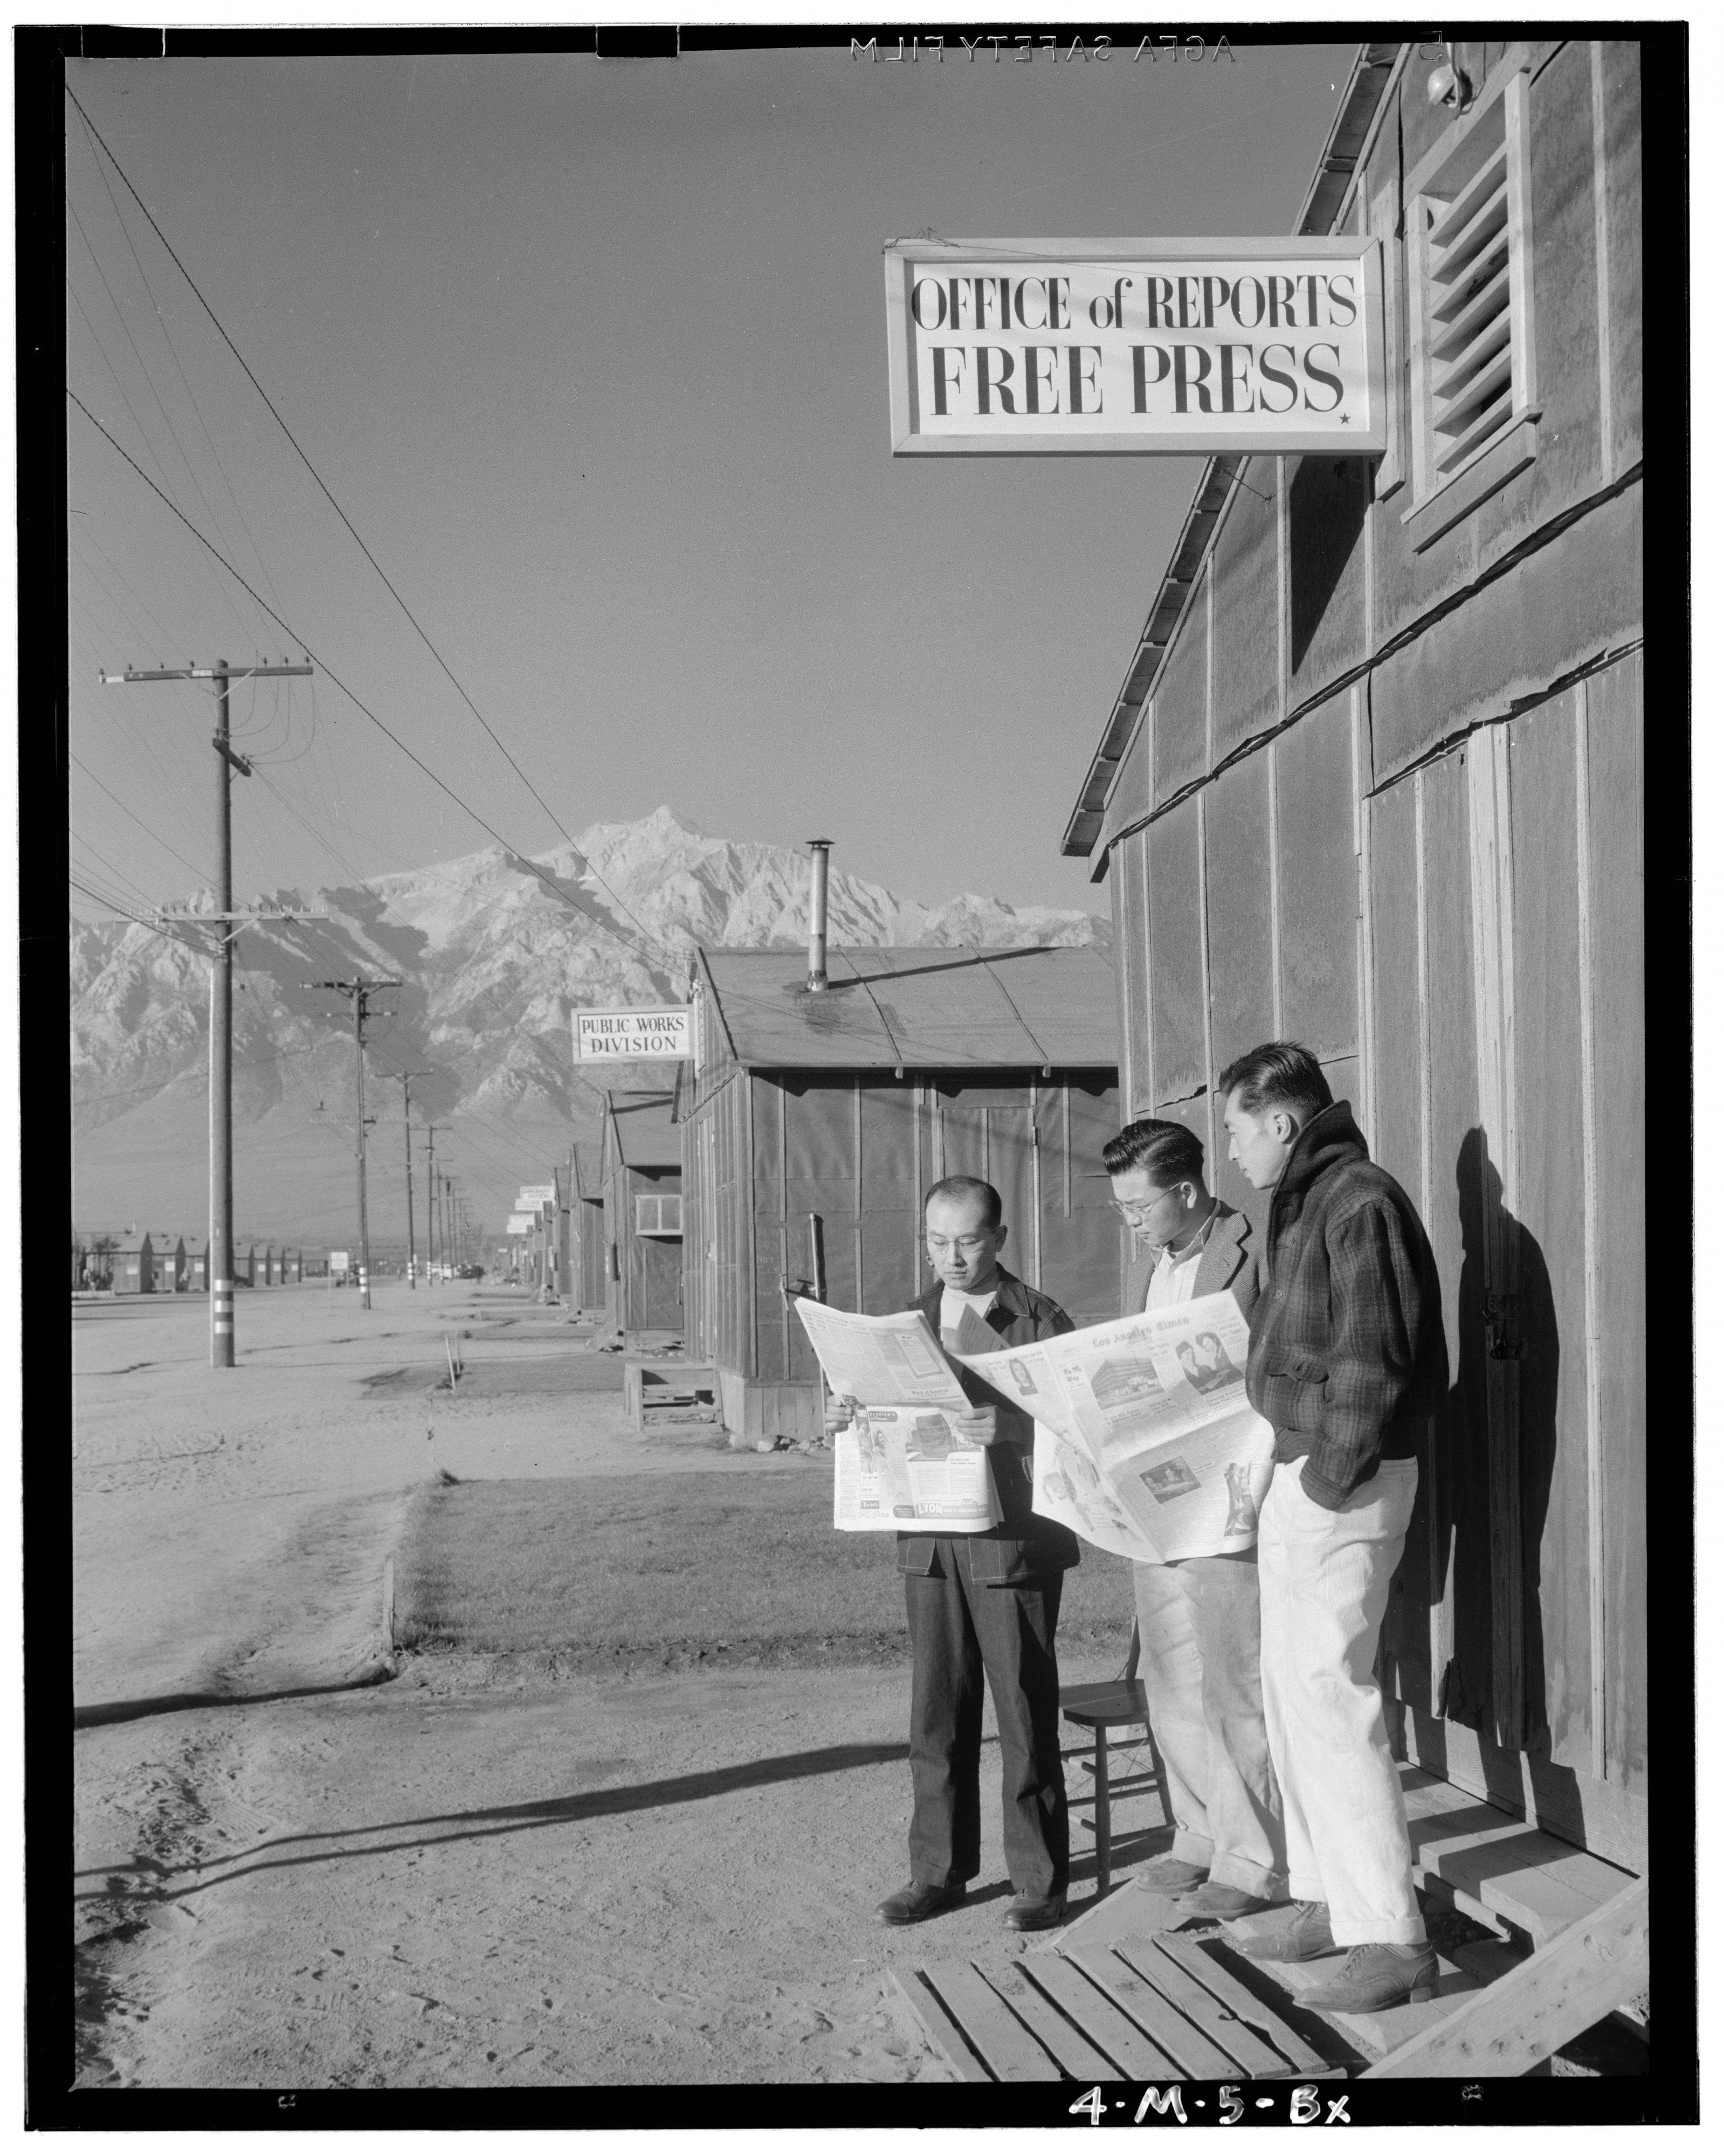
1469, 338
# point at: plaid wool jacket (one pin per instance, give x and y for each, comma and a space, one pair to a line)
1348, 1355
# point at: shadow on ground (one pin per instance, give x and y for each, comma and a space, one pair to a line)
490, 1820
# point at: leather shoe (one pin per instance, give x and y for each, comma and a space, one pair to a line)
1172, 1874
915, 1903
1035, 1912
1224, 1903
1374, 1978
1299, 1933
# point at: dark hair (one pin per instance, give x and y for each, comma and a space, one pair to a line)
1278, 1075
966, 1186
1168, 1152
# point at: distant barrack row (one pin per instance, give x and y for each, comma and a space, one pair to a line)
129, 1262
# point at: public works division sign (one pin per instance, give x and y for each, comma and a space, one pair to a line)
1169, 347
608, 1036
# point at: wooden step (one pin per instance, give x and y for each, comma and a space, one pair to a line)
1375, 2035
1560, 1991
1132, 1911
1491, 1861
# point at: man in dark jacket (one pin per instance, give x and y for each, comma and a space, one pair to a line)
1347, 1363
985, 1602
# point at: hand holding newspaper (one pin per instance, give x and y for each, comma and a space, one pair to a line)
902, 1462
1145, 1442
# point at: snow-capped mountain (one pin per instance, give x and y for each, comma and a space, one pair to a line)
492, 954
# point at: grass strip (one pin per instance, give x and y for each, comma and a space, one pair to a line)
613, 1570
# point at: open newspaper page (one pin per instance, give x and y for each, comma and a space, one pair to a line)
900, 1464
1145, 1444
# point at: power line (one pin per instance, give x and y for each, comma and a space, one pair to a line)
567, 836
550, 881
241, 1063
227, 598
135, 817
316, 475
173, 353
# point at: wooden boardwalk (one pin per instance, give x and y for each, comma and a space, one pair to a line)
1157, 2008
1122, 1995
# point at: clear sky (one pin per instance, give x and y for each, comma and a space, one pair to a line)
592, 353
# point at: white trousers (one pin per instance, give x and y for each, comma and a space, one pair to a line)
1200, 1657
1323, 1579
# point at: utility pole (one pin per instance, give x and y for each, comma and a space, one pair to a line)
431, 1198
407, 1131
358, 992
221, 985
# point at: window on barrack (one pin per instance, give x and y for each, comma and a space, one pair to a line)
658, 1216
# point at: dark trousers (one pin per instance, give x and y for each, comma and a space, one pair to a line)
959, 1627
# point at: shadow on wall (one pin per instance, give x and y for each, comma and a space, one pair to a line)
1527, 1344
1326, 516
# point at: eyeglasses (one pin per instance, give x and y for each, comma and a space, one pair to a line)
966, 1245
1136, 1212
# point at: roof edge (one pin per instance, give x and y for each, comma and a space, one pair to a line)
1351, 133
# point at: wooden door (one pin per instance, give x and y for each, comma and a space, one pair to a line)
1508, 1089
655, 1261
700, 1248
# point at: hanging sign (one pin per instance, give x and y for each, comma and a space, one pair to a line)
535, 1194
1136, 347
519, 1224
607, 1036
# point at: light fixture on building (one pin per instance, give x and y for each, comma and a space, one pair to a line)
1450, 85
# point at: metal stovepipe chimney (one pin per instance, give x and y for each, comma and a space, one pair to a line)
818, 849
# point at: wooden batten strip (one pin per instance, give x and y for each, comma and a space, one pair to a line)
1364, 957
1488, 844
1224, 1986
924, 2003
1203, 976
1179, 2014
1271, 779
1002, 2041
1601, 257
1079, 1981
1589, 1187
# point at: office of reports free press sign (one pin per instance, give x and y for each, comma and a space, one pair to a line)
1146, 347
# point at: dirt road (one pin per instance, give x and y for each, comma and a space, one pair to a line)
461, 1877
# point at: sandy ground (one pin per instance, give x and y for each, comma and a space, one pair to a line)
466, 1876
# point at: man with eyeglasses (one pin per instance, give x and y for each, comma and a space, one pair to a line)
985, 1603
1199, 1639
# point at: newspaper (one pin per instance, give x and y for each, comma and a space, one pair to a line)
901, 1464
1145, 1442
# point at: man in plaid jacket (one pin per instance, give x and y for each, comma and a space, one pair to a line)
1348, 1363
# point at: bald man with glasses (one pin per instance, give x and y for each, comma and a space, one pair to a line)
1198, 1629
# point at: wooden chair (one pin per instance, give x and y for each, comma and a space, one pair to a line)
1119, 1703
